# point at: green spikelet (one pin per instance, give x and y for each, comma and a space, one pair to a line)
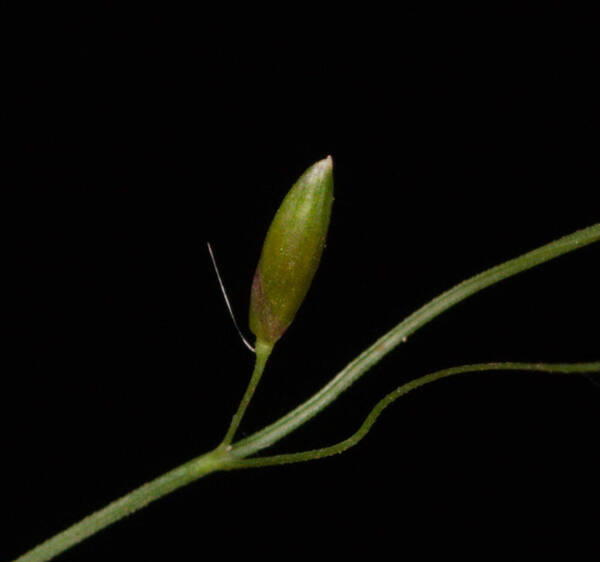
291, 253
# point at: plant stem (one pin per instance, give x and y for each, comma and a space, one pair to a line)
263, 350
228, 456
140, 497
219, 459
372, 355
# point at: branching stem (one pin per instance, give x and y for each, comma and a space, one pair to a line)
229, 456
372, 355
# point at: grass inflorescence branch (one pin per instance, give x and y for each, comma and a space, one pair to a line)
231, 456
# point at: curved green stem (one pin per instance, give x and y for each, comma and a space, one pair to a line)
418, 319
401, 391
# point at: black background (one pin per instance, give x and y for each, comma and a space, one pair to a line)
459, 138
